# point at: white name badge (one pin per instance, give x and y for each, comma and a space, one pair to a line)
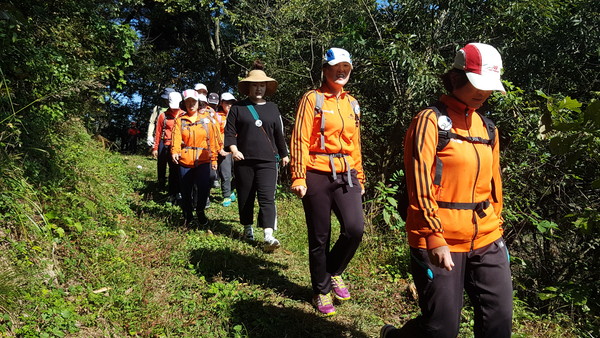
258, 123
444, 122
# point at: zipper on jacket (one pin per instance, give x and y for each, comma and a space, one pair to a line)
342, 163
475, 225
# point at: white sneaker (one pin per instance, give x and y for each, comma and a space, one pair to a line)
271, 244
248, 233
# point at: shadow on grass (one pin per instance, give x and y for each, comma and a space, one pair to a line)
262, 320
232, 265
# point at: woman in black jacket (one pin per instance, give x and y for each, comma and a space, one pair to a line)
254, 135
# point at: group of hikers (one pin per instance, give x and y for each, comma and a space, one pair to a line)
451, 159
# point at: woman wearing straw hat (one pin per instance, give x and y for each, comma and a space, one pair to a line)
327, 174
454, 222
254, 135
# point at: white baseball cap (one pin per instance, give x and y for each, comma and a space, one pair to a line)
200, 86
482, 64
174, 100
227, 97
333, 56
190, 93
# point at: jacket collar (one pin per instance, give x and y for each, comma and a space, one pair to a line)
456, 106
328, 94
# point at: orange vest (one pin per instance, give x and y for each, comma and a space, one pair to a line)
194, 138
471, 174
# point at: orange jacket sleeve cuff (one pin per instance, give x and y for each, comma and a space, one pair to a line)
435, 240
298, 182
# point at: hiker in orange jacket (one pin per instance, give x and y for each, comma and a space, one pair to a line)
454, 221
327, 173
195, 146
161, 149
207, 110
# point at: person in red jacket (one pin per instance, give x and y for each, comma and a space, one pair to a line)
454, 221
327, 173
194, 148
161, 149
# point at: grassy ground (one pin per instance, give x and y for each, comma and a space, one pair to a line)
210, 282
146, 275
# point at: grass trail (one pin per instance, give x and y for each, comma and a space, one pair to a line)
210, 282
149, 276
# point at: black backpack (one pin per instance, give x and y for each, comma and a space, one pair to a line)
444, 137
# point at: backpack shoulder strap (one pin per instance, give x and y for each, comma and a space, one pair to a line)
443, 135
319, 101
355, 109
443, 138
491, 129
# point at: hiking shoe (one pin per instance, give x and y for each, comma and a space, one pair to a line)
190, 223
233, 197
226, 202
324, 304
202, 220
271, 244
387, 328
340, 290
248, 233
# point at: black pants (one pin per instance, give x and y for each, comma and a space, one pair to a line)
256, 178
225, 170
190, 177
164, 159
485, 275
323, 195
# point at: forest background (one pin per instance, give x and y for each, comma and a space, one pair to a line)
74, 71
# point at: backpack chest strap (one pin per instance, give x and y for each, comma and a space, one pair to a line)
479, 208
332, 164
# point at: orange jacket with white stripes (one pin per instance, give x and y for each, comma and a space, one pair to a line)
471, 174
341, 135
195, 138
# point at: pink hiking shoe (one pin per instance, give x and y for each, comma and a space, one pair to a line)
340, 290
324, 304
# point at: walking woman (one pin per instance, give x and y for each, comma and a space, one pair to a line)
161, 149
225, 160
327, 173
254, 135
454, 225
195, 146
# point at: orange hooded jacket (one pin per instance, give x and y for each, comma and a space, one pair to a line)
195, 139
342, 136
471, 174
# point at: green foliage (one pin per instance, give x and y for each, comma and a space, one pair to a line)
385, 204
72, 67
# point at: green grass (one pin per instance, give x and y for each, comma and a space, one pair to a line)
144, 274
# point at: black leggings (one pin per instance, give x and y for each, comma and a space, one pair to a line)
256, 178
323, 195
